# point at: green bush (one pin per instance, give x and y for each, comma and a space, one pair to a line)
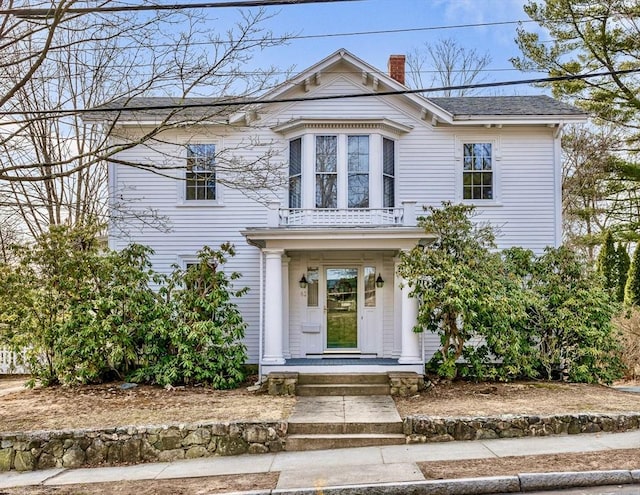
502, 316
86, 315
201, 340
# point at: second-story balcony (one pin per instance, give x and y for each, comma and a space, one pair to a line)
342, 217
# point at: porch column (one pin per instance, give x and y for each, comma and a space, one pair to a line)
410, 353
285, 306
273, 331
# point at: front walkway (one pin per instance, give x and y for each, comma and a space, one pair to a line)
345, 409
364, 465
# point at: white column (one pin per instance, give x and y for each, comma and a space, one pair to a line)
285, 306
397, 310
410, 353
273, 330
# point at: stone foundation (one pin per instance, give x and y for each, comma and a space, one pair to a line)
282, 383
422, 429
400, 383
405, 384
135, 444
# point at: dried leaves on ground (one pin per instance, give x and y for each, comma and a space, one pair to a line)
108, 405
183, 486
488, 399
467, 468
510, 466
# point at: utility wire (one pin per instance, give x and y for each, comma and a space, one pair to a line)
282, 72
258, 101
336, 35
25, 13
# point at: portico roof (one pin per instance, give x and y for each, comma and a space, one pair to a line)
337, 238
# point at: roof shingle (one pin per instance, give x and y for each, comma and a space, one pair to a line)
505, 105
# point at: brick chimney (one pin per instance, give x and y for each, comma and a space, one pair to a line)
396, 68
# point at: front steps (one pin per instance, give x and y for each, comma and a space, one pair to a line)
340, 411
297, 443
314, 385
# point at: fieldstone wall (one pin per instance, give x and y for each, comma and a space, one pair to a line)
282, 383
422, 429
405, 384
135, 444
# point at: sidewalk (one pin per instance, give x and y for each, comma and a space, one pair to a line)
365, 465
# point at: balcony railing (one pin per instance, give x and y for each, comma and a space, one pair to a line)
341, 217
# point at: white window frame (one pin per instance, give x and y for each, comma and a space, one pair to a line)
302, 158
395, 170
182, 183
375, 165
496, 157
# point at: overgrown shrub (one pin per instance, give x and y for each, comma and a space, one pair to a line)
515, 315
201, 341
84, 314
569, 318
467, 298
628, 326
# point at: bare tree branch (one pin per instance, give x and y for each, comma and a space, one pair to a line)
448, 64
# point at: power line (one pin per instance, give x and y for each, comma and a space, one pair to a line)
335, 35
239, 103
27, 13
283, 72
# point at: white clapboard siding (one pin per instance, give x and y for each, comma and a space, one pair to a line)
428, 171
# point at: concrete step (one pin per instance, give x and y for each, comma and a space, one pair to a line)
337, 441
342, 389
343, 428
348, 378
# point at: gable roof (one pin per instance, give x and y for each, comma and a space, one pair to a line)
157, 108
505, 105
539, 109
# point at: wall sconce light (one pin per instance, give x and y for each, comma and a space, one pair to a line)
379, 282
303, 282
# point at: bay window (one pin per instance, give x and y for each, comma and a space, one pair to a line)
341, 170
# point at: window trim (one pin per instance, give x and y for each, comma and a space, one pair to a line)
395, 171
496, 156
300, 175
182, 182
376, 181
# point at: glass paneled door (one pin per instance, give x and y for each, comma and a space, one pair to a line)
342, 308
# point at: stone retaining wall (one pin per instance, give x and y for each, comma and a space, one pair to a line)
134, 444
422, 429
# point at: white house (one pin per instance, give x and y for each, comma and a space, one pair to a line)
320, 253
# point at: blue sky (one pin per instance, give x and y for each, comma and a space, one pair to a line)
374, 15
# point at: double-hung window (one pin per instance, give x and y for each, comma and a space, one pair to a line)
478, 171
200, 177
358, 171
388, 173
326, 171
295, 173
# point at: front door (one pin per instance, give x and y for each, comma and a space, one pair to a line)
342, 308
